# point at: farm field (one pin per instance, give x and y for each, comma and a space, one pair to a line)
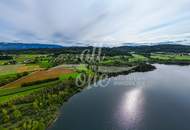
40, 75
2, 62
174, 57
137, 58
7, 94
25, 57
43, 60
4, 79
19, 68
113, 69
26, 98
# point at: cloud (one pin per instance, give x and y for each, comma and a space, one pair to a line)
110, 22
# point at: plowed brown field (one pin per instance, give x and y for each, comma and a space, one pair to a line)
40, 75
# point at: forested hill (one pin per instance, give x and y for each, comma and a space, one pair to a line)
123, 50
156, 48
24, 46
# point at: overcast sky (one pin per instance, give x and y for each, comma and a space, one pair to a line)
110, 22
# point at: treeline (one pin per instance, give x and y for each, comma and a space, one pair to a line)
67, 50
5, 57
38, 82
157, 48
123, 50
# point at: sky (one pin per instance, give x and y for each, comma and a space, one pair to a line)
91, 22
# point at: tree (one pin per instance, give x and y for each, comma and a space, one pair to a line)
35, 106
17, 114
41, 126
5, 116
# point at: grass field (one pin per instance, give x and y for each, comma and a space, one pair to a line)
137, 58
69, 76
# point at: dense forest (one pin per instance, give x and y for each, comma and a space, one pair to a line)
123, 50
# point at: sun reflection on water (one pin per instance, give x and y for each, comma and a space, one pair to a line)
131, 108
131, 104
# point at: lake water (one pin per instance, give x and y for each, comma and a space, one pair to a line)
156, 100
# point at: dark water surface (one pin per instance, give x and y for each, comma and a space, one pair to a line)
157, 100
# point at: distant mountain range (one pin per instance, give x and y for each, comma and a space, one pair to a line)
23, 46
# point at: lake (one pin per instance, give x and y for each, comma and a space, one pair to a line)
156, 100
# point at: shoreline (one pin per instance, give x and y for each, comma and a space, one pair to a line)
138, 68
171, 63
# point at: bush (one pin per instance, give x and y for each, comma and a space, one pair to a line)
38, 82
